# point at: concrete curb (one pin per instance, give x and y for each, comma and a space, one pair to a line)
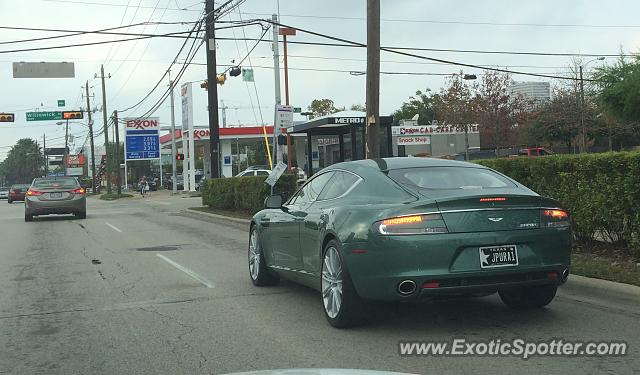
220, 217
588, 285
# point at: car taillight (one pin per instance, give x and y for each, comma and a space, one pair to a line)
34, 192
77, 191
555, 218
411, 224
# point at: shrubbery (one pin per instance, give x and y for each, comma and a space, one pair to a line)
244, 193
601, 191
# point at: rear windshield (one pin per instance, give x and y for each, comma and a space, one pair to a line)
450, 178
55, 183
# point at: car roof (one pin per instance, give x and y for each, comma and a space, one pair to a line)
386, 164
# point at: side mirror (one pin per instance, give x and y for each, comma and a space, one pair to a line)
273, 201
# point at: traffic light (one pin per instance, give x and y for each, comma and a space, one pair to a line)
7, 117
220, 78
72, 115
282, 140
205, 85
179, 156
235, 71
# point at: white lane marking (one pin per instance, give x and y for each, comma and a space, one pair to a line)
184, 269
113, 227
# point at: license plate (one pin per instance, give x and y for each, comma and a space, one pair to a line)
56, 195
498, 256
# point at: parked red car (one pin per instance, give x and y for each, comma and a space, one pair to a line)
17, 192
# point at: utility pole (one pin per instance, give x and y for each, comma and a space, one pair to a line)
372, 129
106, 129
584, 135
117, 151
277, 155
214, 126
284, 31
93, 155
174, 151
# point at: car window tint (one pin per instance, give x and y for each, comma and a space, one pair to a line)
312, 189
448, 178
339, 184
263, 173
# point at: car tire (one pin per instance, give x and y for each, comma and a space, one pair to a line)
530, 297
28, 217
9, 201
259, 273
336, 287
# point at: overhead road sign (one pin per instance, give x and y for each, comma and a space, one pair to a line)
44, 116
61, 103
43, 70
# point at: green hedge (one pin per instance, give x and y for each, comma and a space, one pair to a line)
601, 191
244, 193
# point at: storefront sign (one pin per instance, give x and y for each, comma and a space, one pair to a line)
432, 129
328, 141
415, 140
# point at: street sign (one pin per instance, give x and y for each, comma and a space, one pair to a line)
44, 116
142, 138
284, 116
276, 173
61, 103
297, 109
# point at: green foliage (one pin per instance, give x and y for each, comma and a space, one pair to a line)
599, 190
619, 88
421, 104
323, 107
23, 163
244, 193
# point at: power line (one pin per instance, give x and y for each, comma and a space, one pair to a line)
116, 5
454, 22
387, 49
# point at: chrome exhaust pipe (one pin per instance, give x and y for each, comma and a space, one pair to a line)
406, 287
565, 275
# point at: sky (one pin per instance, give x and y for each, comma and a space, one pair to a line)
545, 26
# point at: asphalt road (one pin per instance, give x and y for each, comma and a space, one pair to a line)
112, 294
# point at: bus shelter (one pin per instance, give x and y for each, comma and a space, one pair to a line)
338, 137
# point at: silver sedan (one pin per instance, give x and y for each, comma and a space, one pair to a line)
55, 195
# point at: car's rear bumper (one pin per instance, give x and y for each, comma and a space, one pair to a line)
449, 264
36, 207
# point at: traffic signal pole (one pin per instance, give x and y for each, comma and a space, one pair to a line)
212, 92
372, 129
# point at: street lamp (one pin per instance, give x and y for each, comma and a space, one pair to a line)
466, 77
583, 130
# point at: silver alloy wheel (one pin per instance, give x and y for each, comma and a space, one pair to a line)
332, 282
254, 255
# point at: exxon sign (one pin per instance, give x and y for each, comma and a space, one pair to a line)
142, 125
